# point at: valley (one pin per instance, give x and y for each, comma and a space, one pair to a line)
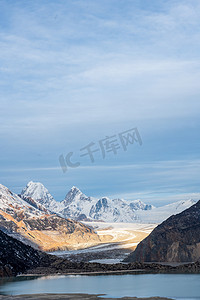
117, 240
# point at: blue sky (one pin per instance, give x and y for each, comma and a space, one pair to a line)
74, 72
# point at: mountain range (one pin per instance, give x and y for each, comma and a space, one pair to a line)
80, 207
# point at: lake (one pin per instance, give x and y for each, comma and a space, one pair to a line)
177, 286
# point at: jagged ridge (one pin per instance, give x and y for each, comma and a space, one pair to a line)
78, 206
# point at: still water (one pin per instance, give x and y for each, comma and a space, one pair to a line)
176, 286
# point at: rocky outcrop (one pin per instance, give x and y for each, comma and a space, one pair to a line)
175, 240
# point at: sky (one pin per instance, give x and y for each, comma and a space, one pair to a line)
77, 73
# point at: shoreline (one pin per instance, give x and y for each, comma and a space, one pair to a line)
84, 273
73, 296
86, 269
96, 273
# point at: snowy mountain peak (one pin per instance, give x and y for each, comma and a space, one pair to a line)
32, 184
38, 192
75, 191
14, 205
75, 195
74, 188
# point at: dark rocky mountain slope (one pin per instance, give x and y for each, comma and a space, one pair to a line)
175, 240
16, 257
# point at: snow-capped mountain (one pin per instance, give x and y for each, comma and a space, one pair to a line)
75, 195
78, 206
37, 192
112, 210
